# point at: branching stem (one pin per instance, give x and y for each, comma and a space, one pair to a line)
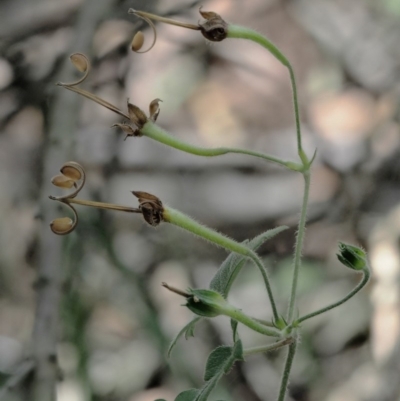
286, 371
239, 32
268, 348
299, 246
361, 284
155, 132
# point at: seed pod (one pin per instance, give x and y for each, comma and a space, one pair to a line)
137, 41
151, 207
62, 225
62, 181
72, 170
80, 61
136, 115
208, 14
207, 303
129, 131
352, 257
214, 28
154, 109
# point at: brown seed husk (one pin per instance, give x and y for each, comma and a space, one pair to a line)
72, 171
136, 115
154, 109
137, 41
62, 181
62, 225
80, 61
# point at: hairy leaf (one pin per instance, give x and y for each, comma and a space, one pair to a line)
234, 325
188, 330
187, 395
216, 361
232, 265
220, 362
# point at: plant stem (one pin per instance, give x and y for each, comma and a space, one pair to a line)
239, 32
155, 132
299, 246
238, 315
286, 371
187, 223
267, 348
361, 284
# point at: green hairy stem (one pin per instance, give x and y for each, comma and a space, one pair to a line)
360, 285
187, 223
155, 132
239, 32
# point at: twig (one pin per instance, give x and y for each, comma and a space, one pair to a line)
63, 120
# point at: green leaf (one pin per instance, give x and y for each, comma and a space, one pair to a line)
188, 330
234, 325
219, 363
232, 265
222, 359
217, 360
206, 390
238, 351
160, 399
187, 395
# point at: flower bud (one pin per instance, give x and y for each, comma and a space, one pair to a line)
352, 257
62, 181
207, 303
137, 41
62, 225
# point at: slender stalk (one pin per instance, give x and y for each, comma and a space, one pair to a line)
238, 315
264, 322
267, 348
102, 205
299, 246
158, 18
155, 132
187, 223
239, 32
361, 284
286, 371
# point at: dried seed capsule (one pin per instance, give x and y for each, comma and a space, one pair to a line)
62, 181
208, 14
72, 170
154, 109
137, 41
80, 61
136, 115
62, 225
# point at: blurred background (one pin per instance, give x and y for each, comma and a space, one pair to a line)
95, 296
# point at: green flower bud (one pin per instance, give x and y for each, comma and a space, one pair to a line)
207, 303
352, 257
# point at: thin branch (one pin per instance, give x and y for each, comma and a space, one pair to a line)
63, 120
